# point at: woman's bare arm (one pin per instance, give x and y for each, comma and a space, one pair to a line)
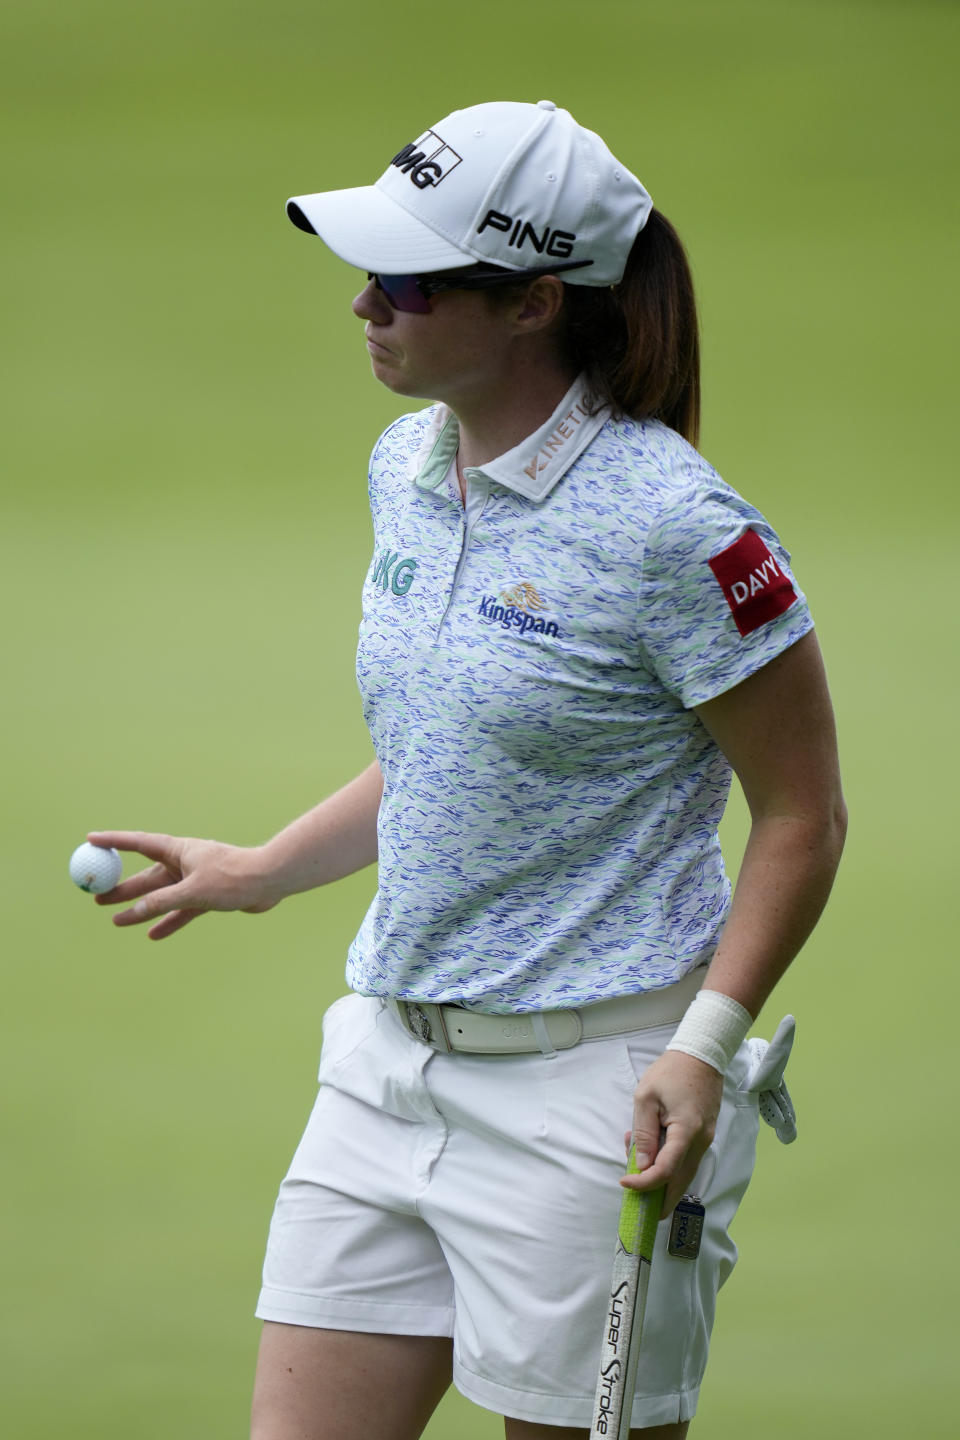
777, 731
191, 876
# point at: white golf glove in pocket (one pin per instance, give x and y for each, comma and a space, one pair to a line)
765, 1079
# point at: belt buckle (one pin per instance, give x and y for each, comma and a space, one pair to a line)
425, 1021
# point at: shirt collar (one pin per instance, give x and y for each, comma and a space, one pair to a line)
533, 467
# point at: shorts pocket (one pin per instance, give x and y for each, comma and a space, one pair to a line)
369, 1056
346, 1025
643, 1047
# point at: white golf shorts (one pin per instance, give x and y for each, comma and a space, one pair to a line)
476, 1196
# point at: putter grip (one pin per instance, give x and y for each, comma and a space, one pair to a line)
623, 1322
639, 1217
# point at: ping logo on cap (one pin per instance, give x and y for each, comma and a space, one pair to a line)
426, 161
755, 587
557, 243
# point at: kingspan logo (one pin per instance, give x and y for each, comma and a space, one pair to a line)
516, 609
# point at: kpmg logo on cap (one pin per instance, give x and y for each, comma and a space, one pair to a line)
427, 161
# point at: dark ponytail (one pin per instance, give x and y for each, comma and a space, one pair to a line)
637, 342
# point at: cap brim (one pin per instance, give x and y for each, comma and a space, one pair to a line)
368, 229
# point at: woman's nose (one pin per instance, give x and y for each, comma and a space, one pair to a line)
372, 304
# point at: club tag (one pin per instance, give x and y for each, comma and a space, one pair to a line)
755, 587
686, 1229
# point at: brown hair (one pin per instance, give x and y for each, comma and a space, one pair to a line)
637, 342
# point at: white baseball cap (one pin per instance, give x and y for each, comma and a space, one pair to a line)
508, 184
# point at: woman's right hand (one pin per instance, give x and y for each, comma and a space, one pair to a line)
188, 878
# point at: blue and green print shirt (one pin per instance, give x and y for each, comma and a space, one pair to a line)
528, 664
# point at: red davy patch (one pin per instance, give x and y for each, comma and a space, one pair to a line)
755, 587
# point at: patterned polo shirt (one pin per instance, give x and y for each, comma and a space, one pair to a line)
528, 666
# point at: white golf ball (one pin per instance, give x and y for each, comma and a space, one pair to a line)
94, 868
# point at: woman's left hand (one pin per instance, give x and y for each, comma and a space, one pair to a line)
675, 1109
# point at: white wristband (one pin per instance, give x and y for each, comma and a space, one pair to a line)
713, 1029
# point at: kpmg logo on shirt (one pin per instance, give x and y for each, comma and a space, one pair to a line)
392, 572
516, 609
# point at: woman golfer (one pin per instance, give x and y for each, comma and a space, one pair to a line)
572, 631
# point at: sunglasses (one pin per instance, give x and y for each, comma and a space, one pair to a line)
412, 292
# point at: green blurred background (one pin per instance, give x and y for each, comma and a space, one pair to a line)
189, 414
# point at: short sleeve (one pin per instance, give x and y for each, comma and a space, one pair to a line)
388, 452
403, 447
718, 599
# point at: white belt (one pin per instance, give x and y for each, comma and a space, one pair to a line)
450, 1027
